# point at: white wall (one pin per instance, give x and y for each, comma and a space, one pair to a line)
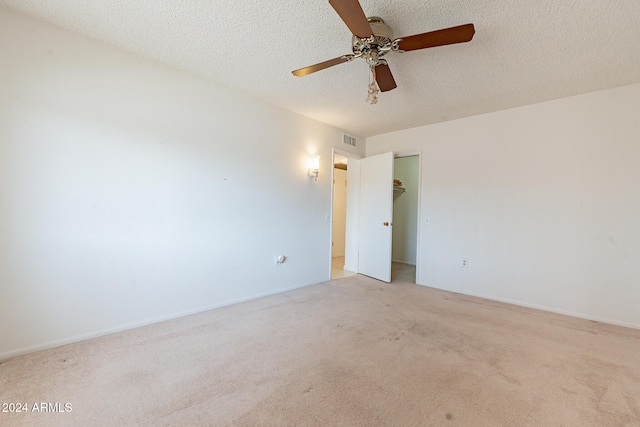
132, 193
544, 200
339, 211
405, 210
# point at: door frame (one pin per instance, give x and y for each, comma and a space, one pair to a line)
396, 154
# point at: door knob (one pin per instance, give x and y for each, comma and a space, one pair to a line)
386, 224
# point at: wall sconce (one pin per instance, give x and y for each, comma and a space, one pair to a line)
314, 169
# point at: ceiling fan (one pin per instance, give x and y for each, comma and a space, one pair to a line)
372, 39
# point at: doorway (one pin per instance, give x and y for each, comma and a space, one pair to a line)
361, 236
340, 265
404, 246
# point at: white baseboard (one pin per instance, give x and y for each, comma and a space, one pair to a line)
108, 331
545, 308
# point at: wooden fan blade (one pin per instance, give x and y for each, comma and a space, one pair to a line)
352, 14
459, 34
321, 66
385, 78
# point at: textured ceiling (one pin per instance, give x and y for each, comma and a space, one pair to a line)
523, 51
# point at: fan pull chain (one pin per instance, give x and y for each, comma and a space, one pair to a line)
372, 96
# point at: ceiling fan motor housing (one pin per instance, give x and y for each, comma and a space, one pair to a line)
382, 38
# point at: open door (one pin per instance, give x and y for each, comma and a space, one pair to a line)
376, 216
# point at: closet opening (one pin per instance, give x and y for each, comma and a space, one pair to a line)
404, 246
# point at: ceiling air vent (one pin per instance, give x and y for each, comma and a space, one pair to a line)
349, 140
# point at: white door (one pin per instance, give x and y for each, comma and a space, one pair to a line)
376, 215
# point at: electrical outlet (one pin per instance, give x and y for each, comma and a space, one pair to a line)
465, 263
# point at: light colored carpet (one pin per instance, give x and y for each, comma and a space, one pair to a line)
352, 352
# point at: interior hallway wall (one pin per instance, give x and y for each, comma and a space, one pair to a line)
131, 192
543, 200
339, 211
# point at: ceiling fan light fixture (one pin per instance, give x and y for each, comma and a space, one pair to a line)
372, 39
